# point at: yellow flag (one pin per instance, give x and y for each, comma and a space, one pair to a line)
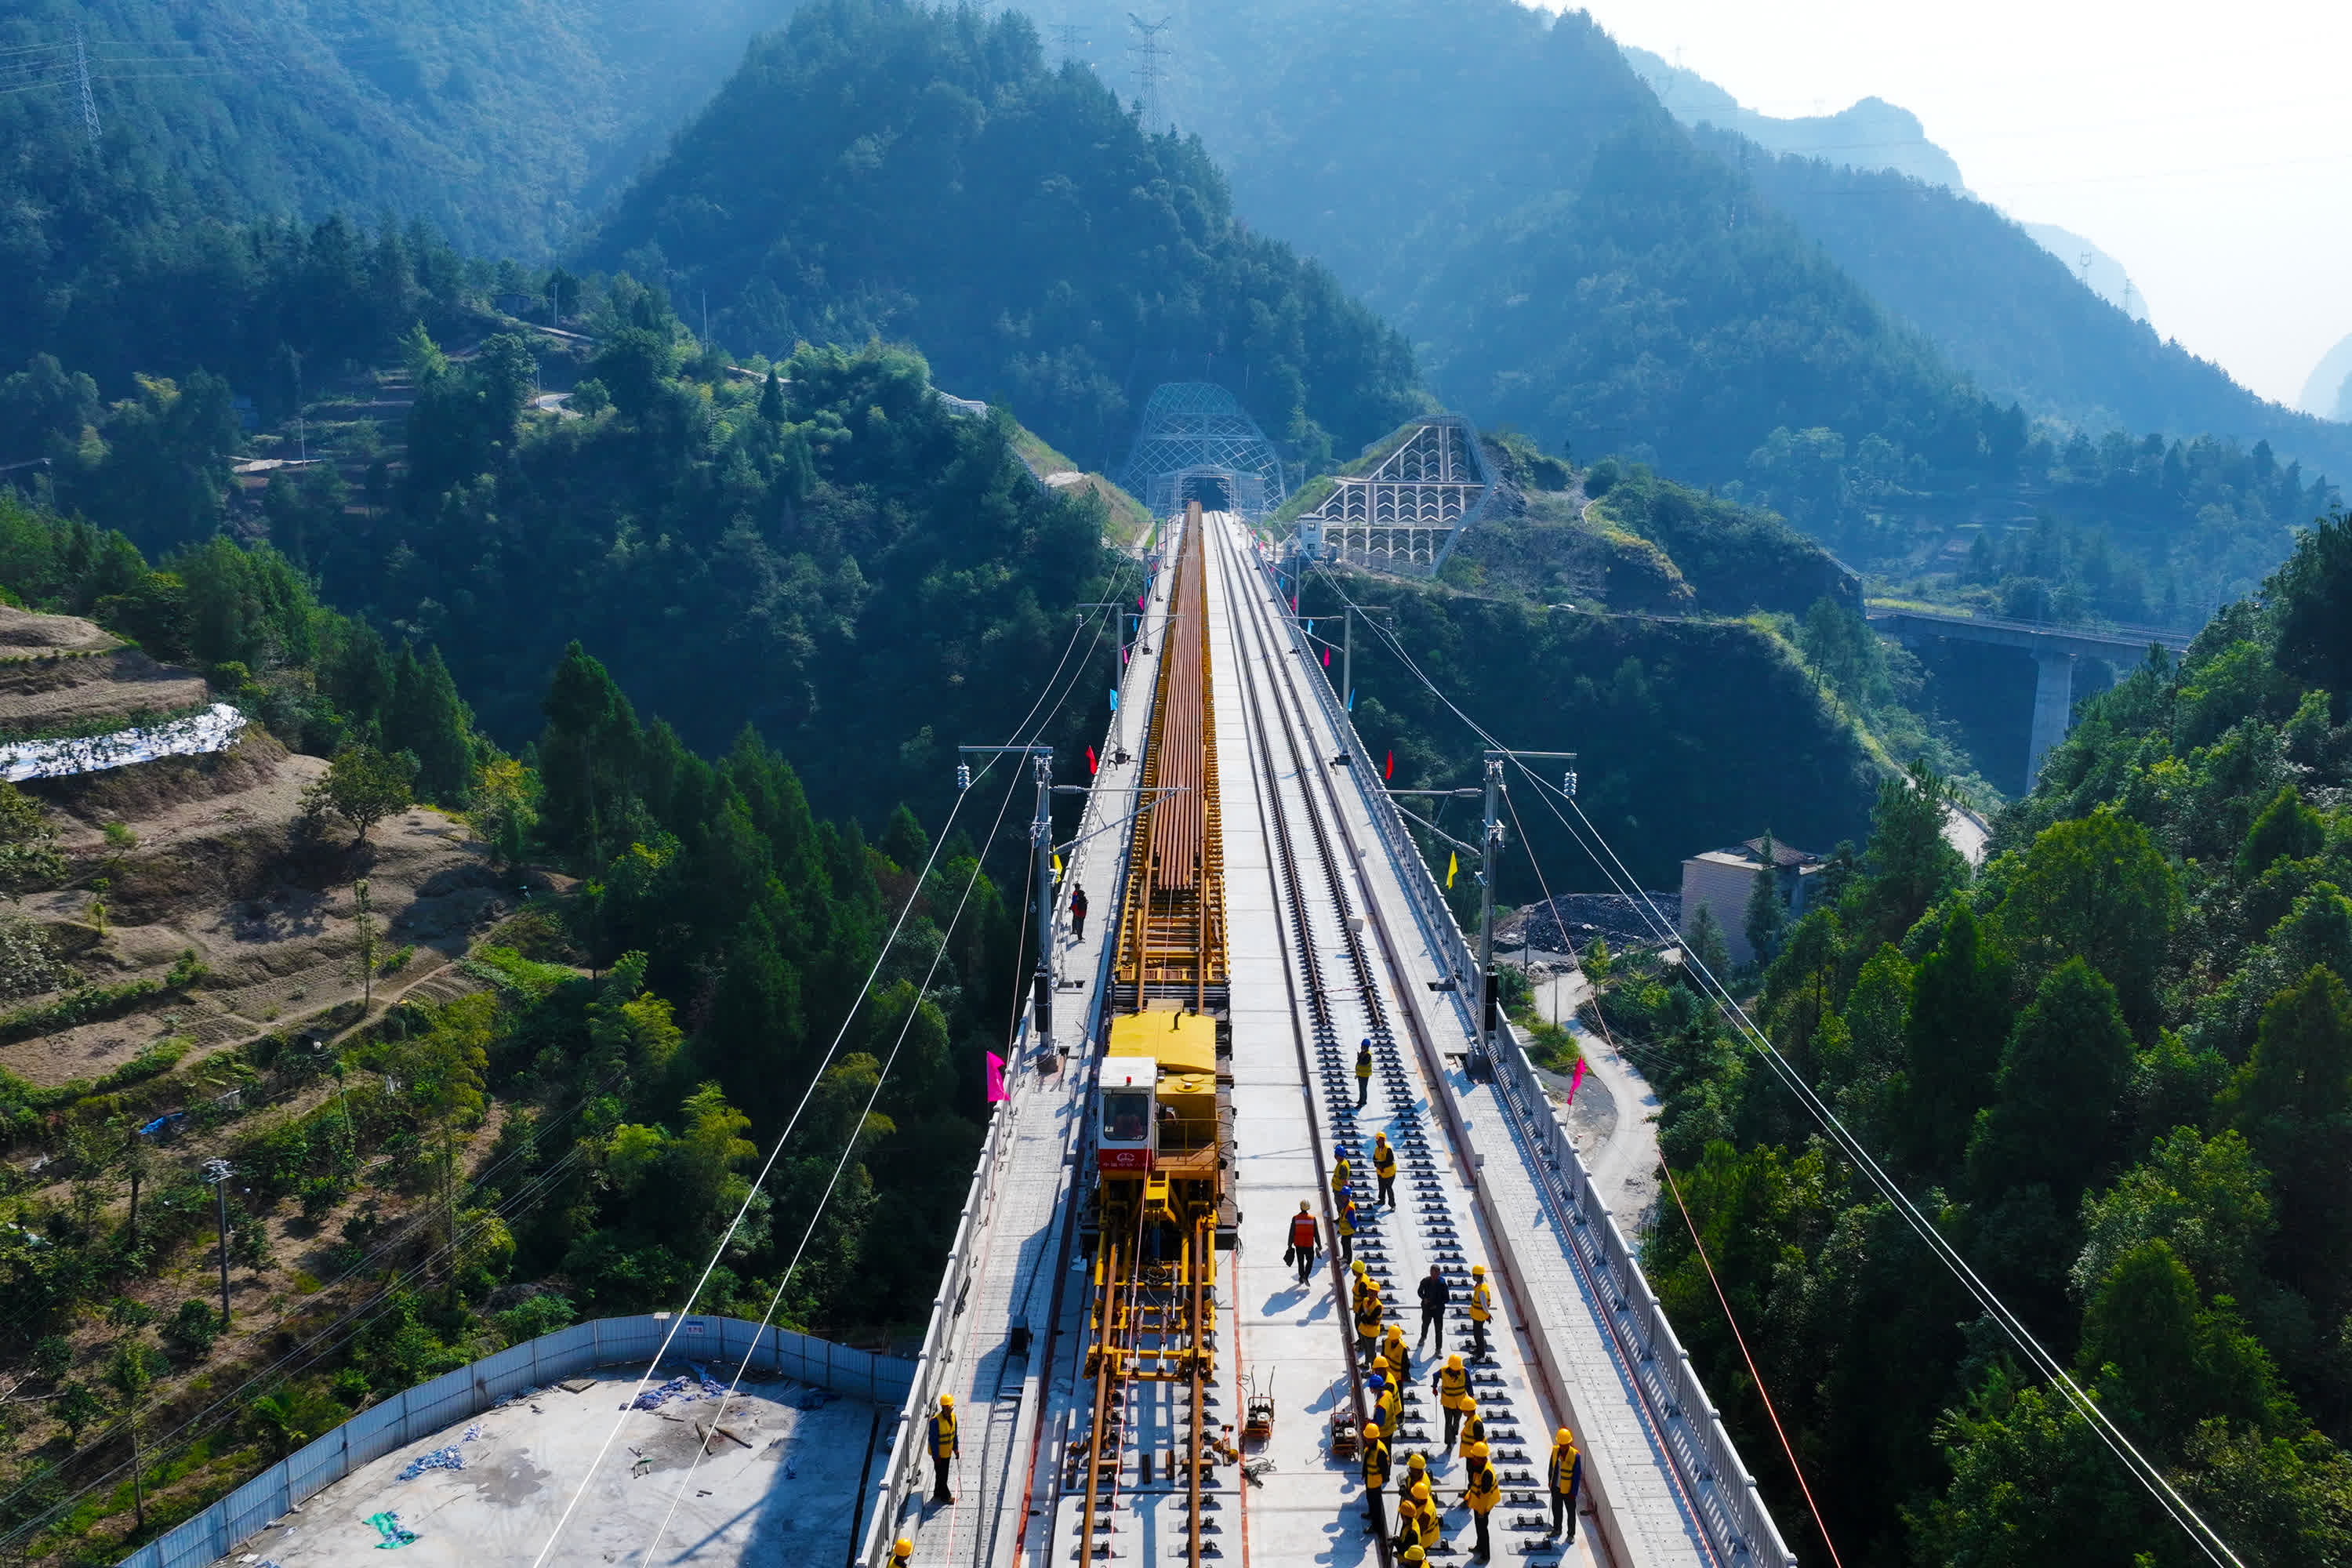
1057, 865
1452, 863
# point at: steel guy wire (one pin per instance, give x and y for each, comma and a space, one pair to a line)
840, 1166
2143, 1469
759, 1182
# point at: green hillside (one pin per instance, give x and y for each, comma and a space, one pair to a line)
880, 169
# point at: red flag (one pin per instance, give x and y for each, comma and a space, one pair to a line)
1327, 658
996, 1077
1388, 769
1576, 1082
1090, 761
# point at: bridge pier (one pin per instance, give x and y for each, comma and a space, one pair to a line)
2054, 706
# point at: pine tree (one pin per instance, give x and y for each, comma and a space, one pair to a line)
426, 719
1767, 918
771, 399
1707, 948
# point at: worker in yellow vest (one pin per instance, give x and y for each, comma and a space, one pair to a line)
1363, 1072
1431, 1518
1474, 1428
943, 1447
1339, 1178
1452, 1386
1360, 1281
1393, 1347
1376, 1477
1567, 1471
1482, 1308
1343, 1225
1408, 1519
1384, 1167
1368, 1319
902, 1553
1480, 1493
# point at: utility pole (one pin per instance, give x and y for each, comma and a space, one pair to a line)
88, 104
1347, 656
217, 1174
1491, 841
1041, 848
1146, 66
1119, 635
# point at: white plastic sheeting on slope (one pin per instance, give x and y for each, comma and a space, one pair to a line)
214, 730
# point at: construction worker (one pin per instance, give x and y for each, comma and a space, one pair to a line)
1376, 1476
1412, 1555
1479, 1494
1386, 1400
1408, 1529
902, 1552
1567, 1470
1078, 915
1368, 1317
1339, 1179
1473, 1427
1393, 1347
1363, 1072
1434, 1297
1359, 1280
1302, 1241
1482, 1307
943, 1447
1452, 1386
1428, 1517
1343, 1226
1384, 1167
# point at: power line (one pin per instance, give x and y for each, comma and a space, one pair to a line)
1069, 36
775, 1153
2144, 1470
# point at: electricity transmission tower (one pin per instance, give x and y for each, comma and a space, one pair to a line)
88, 104
1147, 52
1069, 36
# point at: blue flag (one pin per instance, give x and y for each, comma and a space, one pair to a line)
1114, 698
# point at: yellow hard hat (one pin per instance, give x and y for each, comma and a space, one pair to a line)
905, 1548
1379, 1136
1562, 1436
946, 1402
1413, 1554
1418, 1462
1421, 1492
1477, 1270
1477, 1451
1453, 1361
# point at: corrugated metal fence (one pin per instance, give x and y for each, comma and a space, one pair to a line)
452, 1398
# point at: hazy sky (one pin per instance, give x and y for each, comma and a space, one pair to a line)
2207, 148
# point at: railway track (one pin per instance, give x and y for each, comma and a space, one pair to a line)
1339, 985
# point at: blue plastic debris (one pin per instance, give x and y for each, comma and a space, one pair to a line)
446, 1458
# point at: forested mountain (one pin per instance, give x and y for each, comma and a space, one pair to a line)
2117, 1064
1571, 260
880, 168
505, 127
2014, 316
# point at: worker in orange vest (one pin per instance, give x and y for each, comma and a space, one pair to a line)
1302, 1242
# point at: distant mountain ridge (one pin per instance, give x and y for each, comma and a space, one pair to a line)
1870, 135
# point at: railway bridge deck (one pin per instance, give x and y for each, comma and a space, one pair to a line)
1332, 932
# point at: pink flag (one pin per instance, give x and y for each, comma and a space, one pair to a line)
1573, 1083
996, 1077
1139, 601
1327, 658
